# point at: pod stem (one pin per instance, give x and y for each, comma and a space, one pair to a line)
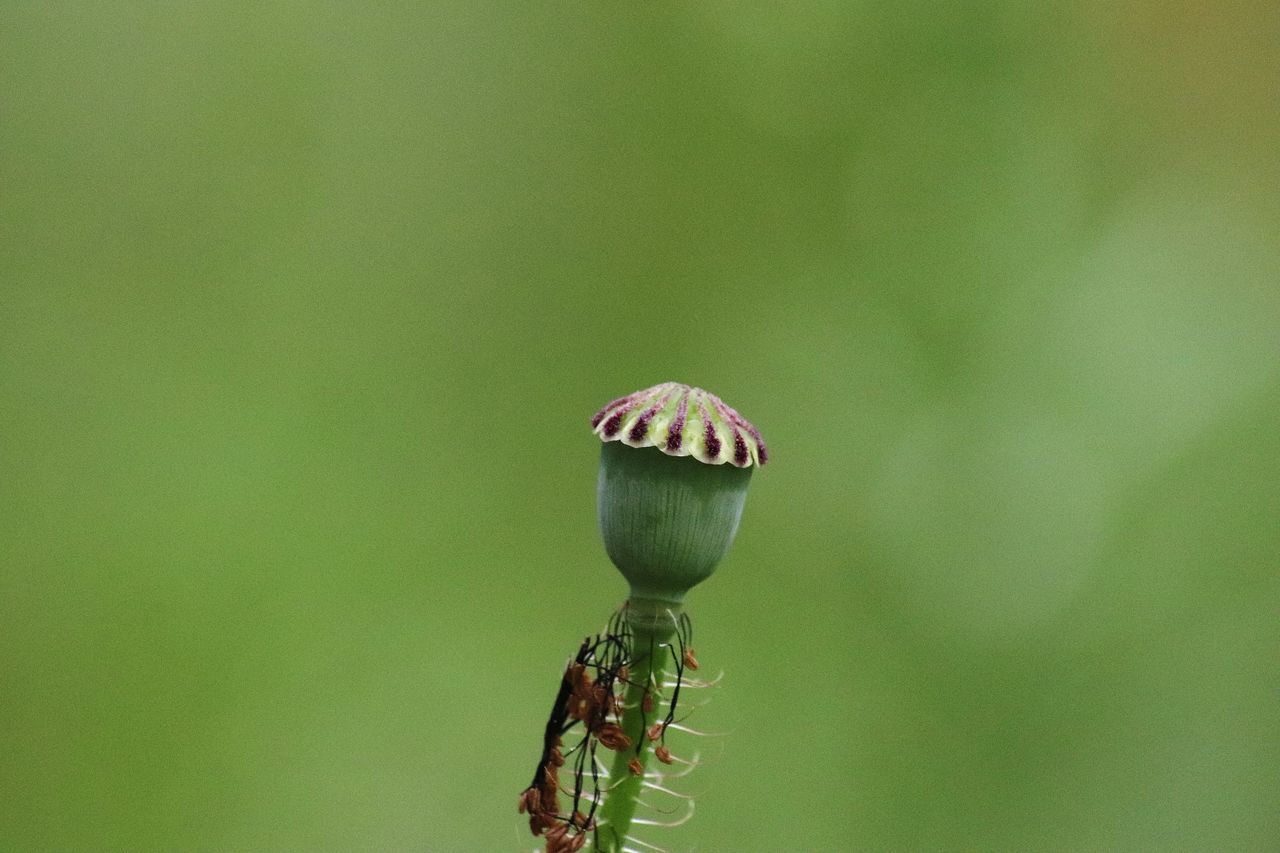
652, 623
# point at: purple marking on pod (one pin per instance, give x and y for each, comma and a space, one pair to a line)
710, 438
614, 423
739, 421
761, 451
641, 427
599, 416
740, 456
675, 433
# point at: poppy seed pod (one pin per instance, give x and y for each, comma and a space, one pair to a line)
673, 480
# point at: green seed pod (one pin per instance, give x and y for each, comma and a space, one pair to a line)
674, 472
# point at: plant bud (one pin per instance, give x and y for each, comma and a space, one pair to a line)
673, 480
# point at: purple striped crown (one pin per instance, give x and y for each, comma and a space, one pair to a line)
682, 421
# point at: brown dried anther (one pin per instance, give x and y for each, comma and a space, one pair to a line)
611, 736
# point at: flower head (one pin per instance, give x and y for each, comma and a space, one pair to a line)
682, 421
673, 480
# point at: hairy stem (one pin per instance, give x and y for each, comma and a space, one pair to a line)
652, 623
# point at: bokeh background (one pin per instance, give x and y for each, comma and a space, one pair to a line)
304, 308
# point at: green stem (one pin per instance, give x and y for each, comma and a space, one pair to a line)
653, 623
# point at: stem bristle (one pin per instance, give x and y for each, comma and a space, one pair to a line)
620, 691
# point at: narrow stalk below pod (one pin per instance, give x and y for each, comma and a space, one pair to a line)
674, 472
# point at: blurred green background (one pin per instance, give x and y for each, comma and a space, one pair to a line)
304, 308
